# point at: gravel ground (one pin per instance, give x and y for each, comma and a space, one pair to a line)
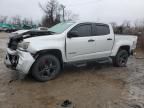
93, 86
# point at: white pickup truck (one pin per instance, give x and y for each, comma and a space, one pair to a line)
43, 53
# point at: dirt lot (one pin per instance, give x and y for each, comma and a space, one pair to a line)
93, 86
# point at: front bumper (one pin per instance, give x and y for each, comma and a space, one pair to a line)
19, 60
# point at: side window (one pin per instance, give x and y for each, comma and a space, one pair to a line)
83, 30
101, 29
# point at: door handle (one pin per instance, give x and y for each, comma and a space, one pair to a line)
109, 38
91, 40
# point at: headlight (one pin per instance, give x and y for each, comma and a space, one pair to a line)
23, 45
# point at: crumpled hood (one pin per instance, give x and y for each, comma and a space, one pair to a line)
21, 35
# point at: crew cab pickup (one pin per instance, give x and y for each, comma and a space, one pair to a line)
43, 53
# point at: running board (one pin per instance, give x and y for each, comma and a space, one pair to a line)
84, 63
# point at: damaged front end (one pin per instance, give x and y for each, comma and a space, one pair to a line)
19, 60
16, 58
12, 57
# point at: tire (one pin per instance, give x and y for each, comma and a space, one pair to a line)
120, 60
46, 67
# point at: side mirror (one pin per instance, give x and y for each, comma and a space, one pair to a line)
73, 34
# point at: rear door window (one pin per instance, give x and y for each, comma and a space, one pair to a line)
100, 29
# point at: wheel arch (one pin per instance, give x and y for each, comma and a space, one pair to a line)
55, 52
121, 47
125, 47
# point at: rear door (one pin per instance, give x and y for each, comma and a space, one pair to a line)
104, 38
83, 46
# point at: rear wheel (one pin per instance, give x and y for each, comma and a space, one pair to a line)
120, 60
46, 68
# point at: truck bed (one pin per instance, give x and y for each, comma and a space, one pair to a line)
119, 37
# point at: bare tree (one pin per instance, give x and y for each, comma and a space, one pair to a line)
52, 12
124, 28
55, 13
126, 23
114, 24
139, 25
70, 16
27, 21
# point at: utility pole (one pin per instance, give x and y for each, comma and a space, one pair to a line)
63, 9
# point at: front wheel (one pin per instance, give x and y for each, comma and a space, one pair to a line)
120, 60
46, 68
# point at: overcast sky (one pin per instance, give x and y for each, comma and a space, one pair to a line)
93, 10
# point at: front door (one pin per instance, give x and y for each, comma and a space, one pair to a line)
83, 46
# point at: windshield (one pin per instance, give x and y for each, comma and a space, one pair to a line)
61, 27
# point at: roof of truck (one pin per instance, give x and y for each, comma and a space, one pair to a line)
87, 21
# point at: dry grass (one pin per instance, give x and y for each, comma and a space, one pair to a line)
141, 42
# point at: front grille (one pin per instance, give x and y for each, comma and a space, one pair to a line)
13, 59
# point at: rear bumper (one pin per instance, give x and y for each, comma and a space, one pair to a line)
19, 60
